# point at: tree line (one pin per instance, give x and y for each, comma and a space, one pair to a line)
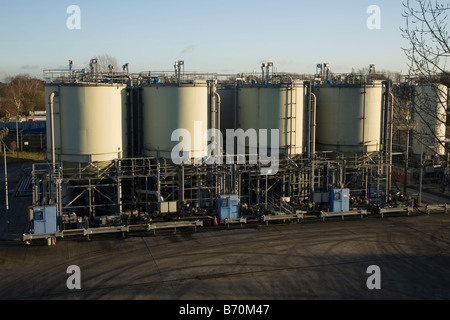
21, 94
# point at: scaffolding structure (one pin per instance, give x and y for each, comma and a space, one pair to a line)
136, 190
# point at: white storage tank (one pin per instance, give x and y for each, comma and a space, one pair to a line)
90, 122
349, 117
168, 107
430, 116
275, 106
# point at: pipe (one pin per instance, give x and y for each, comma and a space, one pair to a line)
176, 70
52, 133
386, 113
6, 179
218, 102
130, 112
262, 69
217, 124
52, 129
215, 114
312, 101
364, 118
387, 135
314, 124
308, 85
212, 123
391, 134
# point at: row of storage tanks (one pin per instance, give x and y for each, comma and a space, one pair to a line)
91, 120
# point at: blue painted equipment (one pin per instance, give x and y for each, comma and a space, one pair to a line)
340, 200
228, 207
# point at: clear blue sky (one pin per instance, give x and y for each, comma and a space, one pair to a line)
211, 36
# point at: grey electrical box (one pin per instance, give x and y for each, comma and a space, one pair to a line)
44, 220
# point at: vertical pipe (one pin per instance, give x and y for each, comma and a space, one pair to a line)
312, 177
312, 136
6, 178
215, 119
139, 120
236, 92
391, 133
250, 198
212, 91
314, 125
199, 187
266, 200
59, 198
364, 118
34, 184
52, 129
17, 136
181, 185
90, 199
52, 133
146, 194
366, 181
405, 183
421, 175
386, 137
131, 121
308, 132
235, 105
158, 177
239, 185
218, 102
385, 117
119, 194
289, 185
258, 187
290, 99
262, 68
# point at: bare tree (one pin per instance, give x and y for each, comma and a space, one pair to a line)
23, 93
427, 32
428, 35
16, 88
105, 62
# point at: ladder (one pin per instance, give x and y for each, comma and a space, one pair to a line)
290, 137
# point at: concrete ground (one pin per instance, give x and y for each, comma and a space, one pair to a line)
312, 260
14, 222
307, 261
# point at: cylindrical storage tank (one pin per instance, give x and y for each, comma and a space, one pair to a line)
167, 108
228, 110
89, 121
429, 116
349, 117
275, 107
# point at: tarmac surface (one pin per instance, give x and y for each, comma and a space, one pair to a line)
307, 261
313, 260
